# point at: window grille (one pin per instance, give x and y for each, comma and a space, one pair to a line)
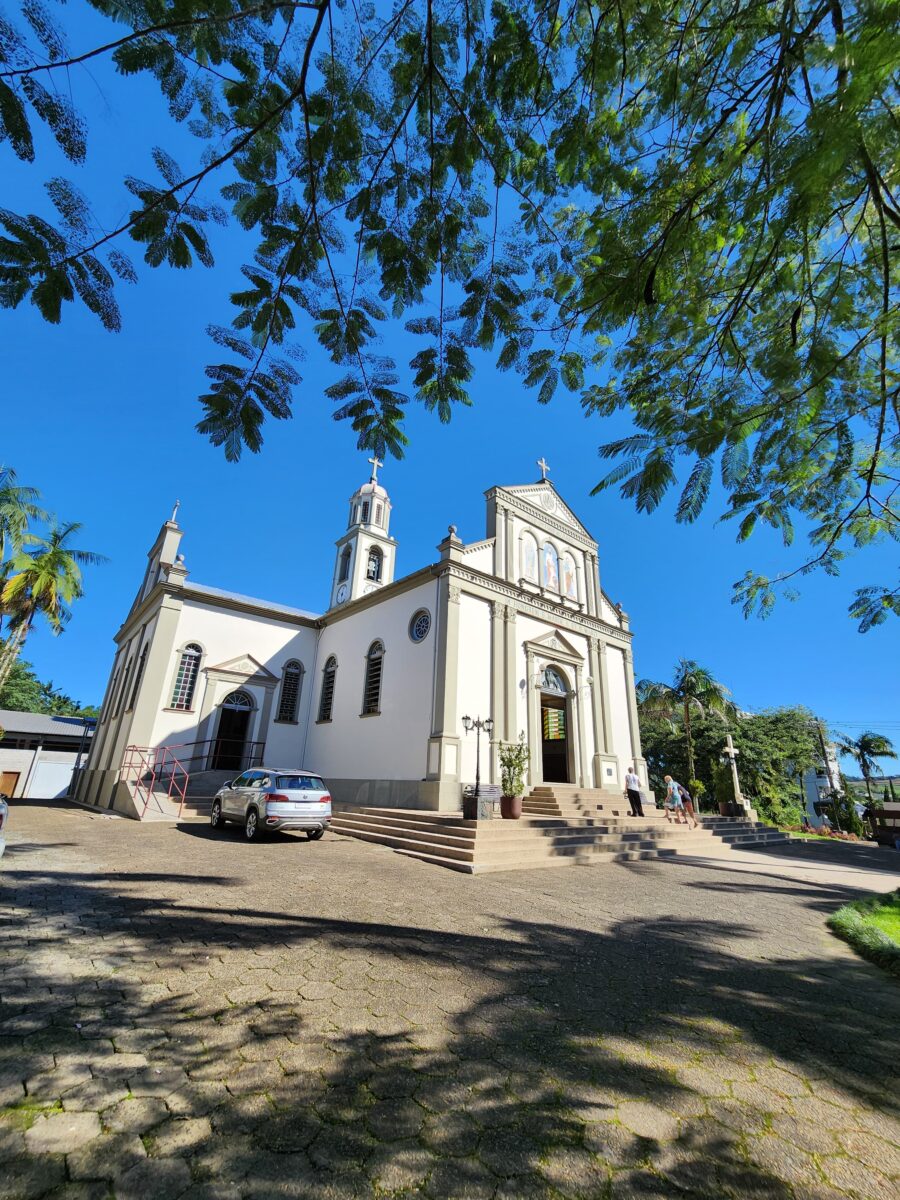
344, 573
373, 570
372, 686
326, 700
186, 677
289, 701
138, 676
378, 511
420, 625
365, 511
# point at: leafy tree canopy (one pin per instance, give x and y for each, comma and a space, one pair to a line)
687, 211
24, 692
775, 748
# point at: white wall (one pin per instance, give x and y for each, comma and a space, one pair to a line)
480, 555
392, 745
474, 681
225, 635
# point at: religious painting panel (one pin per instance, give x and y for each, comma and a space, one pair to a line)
550, 564
570, 579
529, 558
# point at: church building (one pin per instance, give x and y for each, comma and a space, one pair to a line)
372, 694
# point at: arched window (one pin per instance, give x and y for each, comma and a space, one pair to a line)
186, 677
238, 700
550, 567
124, 688
291, 685
569, 577
373, 568
372, 685
326, 699
139, 675
553, 681
344, 570
529, 565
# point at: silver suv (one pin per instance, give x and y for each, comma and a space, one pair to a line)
269, 798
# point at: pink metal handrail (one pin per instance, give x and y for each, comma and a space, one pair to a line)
150, 765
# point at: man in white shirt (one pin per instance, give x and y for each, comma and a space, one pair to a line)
633, 791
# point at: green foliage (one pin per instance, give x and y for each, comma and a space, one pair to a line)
685, 213
774, 748
42, 575
857, 924
514, 758
24, 692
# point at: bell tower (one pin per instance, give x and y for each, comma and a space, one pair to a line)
365, 552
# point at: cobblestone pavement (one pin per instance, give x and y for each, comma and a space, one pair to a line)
186, 1015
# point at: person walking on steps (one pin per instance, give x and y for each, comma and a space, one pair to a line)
688, 801
633, 792
673, 803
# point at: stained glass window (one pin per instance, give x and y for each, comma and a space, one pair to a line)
186, 677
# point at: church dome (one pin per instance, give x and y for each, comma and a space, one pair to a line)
372, 489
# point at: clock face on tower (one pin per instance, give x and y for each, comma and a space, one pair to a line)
342, 593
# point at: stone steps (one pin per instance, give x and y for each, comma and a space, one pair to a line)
562, 831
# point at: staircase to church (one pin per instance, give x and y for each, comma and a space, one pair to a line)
545, 840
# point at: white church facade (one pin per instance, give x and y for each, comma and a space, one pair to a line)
371, 694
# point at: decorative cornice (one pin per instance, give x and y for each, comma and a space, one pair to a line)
577, 622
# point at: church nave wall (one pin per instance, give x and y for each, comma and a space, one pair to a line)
390, 745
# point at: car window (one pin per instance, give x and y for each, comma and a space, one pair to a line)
302, 783
256, 779
241, 781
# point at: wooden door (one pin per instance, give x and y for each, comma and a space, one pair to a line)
9, 781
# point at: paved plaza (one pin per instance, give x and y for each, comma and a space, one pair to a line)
186, 1015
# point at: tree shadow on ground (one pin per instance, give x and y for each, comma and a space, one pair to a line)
275, 1054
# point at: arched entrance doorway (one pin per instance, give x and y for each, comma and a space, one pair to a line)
555, 726
231, 736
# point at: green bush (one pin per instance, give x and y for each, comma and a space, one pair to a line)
513, 761
853, 923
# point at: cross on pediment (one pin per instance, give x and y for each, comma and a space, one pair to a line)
544, 466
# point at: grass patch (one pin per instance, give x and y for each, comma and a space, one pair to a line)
23, 1114
872, 927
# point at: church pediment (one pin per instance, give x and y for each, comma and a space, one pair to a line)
554, 645
545, 498
244, 666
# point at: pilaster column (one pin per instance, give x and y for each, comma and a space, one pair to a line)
633, 723
510, 548
511, 671
500, 542
443, 745
498, 691
581, 765
533, 732
595, 584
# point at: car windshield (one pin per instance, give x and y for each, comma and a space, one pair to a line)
300, 783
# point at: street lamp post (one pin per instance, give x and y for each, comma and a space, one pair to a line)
478, 724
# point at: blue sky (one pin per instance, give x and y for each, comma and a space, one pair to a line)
103, 425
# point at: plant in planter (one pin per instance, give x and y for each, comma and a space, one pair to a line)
513, 761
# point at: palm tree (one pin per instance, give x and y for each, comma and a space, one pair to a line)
18, 506
43, 581
865, 749
693, 690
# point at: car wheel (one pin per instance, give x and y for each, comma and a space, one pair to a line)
314, 834
251, 826
215, 816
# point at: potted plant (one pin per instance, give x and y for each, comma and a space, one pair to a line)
513, 761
